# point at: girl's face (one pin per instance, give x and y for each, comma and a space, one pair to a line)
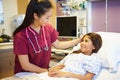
86, 46
44, 18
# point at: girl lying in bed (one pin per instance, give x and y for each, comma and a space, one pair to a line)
85, 64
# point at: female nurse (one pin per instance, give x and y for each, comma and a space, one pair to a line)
34, 37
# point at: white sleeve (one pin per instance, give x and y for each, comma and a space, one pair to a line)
92, 65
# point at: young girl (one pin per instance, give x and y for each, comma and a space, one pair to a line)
34, 37
83, 65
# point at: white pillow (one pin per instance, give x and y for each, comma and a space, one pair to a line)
110, 50
77, 47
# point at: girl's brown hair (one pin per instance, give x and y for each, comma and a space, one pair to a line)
96, 41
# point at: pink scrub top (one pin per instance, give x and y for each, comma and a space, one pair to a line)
22, 46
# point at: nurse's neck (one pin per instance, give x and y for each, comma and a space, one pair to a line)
36, 27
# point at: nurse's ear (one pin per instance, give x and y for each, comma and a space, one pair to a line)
35, 16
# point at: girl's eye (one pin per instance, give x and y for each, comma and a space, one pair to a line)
86, 40
47, 17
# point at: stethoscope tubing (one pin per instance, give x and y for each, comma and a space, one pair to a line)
39, 48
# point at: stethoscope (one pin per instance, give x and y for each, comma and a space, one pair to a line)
46, 48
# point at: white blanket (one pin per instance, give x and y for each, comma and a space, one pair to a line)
104, 75
44, 76
41, 76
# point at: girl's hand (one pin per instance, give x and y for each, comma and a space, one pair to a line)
55, 69
61, 74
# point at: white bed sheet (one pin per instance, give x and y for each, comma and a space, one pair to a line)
44, 76
104, 75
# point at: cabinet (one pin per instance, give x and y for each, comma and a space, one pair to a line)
6, 63
83, 21
22, 5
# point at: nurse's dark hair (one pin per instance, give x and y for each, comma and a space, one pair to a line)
96, 41
40, 7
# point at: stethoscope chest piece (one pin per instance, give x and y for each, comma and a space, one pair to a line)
46, 48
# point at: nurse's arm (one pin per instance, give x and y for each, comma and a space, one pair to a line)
26, 65
65, 44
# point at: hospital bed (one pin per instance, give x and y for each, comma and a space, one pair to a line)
110, 52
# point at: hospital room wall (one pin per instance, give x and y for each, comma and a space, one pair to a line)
99, 16
9, 10
24, 3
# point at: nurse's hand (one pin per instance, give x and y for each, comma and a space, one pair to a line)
56, 68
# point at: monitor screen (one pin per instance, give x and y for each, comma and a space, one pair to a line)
67, 26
